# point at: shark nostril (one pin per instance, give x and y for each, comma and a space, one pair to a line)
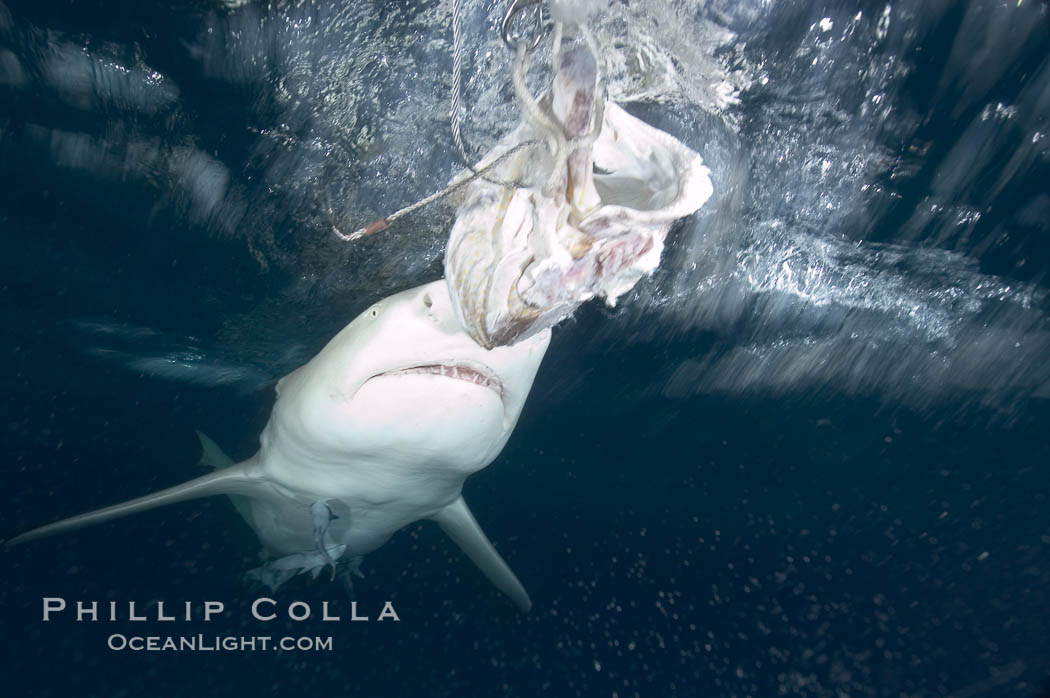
427, 301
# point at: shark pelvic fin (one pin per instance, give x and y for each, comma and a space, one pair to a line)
235, 479
461, 526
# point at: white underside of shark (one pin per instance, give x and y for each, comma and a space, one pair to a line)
377, 431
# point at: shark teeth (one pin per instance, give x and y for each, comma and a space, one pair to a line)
471, 372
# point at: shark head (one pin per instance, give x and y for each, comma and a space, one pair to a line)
404, 384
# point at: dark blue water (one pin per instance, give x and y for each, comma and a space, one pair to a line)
725, 487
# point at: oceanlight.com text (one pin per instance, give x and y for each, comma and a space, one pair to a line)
216, 643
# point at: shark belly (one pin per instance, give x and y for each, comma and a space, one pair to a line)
285, 527
369, 500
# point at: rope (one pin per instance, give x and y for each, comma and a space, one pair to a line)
457, 88
558, 145
383, 223
457, 79
458, 183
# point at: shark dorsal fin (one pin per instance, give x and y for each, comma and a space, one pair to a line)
461, 526
211, 455
236, 479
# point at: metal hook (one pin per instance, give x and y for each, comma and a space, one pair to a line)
515, 9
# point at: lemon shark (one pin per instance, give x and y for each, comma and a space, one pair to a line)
377, 431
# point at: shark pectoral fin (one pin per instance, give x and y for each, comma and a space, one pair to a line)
461, 526
233, 480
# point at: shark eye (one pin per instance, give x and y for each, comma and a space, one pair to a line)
374, 312
427, 300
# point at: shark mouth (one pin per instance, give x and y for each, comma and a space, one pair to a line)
470, 371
